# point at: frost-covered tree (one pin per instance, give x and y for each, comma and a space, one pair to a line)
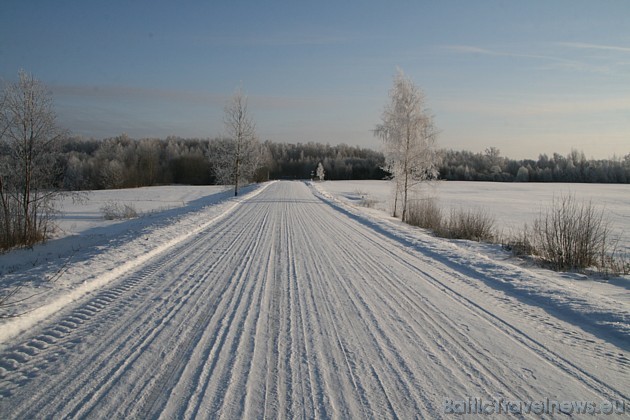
522, 174
409, 138
29, 150
237, 158
320, 171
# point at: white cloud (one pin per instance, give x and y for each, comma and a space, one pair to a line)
556, 61
469, 49
280, 41
584, 45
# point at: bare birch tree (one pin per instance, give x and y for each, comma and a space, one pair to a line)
238, 157
29, 141
409, 138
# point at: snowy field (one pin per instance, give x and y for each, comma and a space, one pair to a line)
511, 204
290, 301
79, 214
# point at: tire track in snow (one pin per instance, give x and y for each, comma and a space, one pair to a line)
242, 309
301, 352
153, 401
200, 334
285, 307
437, 333
437, 275
436, 278
57, 333
177, 256
330, 314
105, 359
366, 334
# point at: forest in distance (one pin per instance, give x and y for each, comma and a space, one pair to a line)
123, 162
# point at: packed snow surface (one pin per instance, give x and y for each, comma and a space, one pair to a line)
286, 302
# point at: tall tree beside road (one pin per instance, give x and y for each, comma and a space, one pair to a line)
29, 151
409, 137
238, 155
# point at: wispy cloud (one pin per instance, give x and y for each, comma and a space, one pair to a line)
587, 46
553, 62
468, 49
281, 41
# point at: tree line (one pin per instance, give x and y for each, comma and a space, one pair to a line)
340, 162
574, 167
123, 162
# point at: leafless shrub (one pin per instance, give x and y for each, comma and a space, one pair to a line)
426, 214
117, 211
521, 244
470, 224
461, 224
614, 263
572, 235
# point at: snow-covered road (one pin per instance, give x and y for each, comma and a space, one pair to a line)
287, 307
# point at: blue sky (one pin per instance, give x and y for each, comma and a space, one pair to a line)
527, 77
